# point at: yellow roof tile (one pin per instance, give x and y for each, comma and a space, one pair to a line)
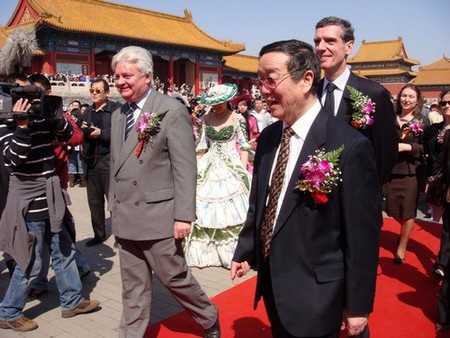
433, 77
443, 63
106, 18
384, 71
436, 73
377, 51
242, 63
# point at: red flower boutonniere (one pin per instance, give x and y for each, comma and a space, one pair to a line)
413, 126
148, 128
363, 109
320, 174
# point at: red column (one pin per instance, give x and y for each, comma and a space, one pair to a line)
219, 71
197, 76
171, 70
92, 64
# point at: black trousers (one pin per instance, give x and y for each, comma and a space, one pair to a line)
97, 187
278, 330
444, 249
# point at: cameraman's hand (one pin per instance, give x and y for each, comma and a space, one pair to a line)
20, 112
96, 132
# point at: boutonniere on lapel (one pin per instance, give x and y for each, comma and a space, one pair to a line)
440, 136
363, 109
412, 126
147, 129
320, 174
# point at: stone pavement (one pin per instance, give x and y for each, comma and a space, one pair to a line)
103, 284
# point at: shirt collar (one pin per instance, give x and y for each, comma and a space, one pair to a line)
304, 122
340, 82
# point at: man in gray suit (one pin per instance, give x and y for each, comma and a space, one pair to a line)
152, 195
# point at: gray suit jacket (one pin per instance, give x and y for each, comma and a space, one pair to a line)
147, 194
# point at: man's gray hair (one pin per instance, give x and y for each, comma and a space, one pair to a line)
137, 55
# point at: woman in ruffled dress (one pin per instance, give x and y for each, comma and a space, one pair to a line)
402, 188
223, 183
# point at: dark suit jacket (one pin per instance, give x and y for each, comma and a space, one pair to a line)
89, 147
147, 194
323, 258
382, 134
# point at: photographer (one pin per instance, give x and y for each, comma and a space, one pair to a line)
95, 151
31, 224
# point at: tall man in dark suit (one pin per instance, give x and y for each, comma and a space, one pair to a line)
153, 196
316, 257
334, 40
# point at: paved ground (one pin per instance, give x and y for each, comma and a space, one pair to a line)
103, 284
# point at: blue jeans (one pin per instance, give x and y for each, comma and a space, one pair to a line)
75, 165
62, 251
41, 281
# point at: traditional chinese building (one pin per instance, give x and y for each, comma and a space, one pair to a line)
385, 62
240, 69
81, 37
434, 78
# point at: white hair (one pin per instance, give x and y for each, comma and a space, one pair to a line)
137, 55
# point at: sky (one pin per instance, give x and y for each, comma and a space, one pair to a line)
424, 25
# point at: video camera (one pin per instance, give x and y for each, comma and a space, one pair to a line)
41, 105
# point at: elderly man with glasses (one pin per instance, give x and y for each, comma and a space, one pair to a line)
95, 152
312, 228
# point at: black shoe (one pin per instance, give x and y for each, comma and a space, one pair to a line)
94, 241
442, 327
438, 273
398, 259
213, 331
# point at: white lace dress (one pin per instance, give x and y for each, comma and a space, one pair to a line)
223, 186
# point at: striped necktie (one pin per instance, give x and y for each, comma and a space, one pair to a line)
329, 99
130, 118
275, 190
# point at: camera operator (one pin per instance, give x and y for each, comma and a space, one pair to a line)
31, 224
96, 147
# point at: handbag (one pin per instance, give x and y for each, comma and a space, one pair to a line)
435, 191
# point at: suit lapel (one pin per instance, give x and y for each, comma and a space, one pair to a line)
315, 140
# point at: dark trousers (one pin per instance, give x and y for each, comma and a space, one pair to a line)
444, 299
444, 249
97, 187
278, 330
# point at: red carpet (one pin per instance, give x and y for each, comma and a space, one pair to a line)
405, 304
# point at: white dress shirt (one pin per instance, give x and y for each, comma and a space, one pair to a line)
301, 128
340, 83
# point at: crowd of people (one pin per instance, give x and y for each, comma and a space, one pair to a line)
290, 184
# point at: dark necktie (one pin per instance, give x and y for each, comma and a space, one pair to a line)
329, 100
275, 190
130, 118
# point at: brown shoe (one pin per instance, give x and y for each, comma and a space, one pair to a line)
84, 307
22, 324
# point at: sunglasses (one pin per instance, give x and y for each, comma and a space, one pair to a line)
96, 91
444, 103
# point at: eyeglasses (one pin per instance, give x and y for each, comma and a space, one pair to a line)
96, 91
269, 82
444, 103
